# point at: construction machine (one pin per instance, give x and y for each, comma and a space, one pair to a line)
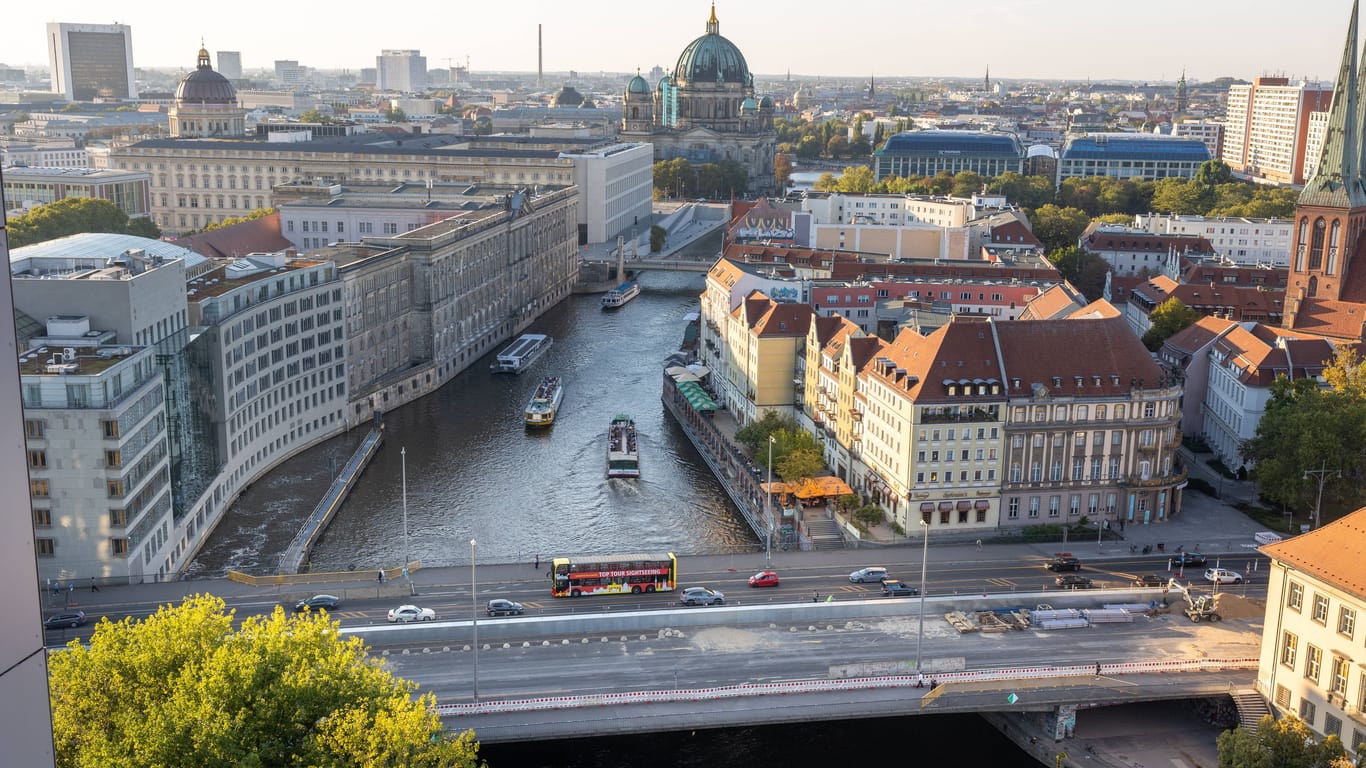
1198, 607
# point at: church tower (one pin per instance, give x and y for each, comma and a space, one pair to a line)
1330, 214
1182, 98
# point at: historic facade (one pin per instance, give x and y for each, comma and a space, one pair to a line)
705, 111
206, 105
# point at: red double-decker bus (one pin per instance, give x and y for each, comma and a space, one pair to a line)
613, 574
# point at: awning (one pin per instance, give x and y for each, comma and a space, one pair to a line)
674, 370
981, 504
964, 505
696, 396
927, 506
684, 376
945, 506
699, 370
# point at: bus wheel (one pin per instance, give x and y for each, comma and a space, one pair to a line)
635, 590
649, 587
574, 593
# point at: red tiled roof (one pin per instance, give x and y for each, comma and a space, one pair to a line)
957, 351
256, 236
1106, 354
1335, 319
1332, 554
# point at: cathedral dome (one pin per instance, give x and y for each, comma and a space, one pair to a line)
567, 97
638, 86
205, 86
712, 58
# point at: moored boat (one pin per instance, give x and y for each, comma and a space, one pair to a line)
620, 295
545, 403
623, 451
520, 354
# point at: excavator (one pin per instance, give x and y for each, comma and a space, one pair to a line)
1198, 607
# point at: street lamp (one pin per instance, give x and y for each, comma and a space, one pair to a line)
403, 460
1100, 531
1323, 472
924, 558
474, 612
768, 507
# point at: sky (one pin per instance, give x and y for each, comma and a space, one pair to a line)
1045, 39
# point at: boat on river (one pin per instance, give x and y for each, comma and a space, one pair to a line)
545, 403
620, 295
623, 450
520, 354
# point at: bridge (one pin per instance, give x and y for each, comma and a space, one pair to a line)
609, 673
665, 264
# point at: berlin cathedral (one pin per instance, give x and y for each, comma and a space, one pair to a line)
705, 111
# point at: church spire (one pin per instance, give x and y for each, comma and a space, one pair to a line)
713, 26
1337, 179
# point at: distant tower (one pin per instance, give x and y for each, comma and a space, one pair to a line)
1181, 96
872, 87
539, 49
986, 83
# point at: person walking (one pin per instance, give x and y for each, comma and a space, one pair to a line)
94, 587
815, 596
537, 564
381, 576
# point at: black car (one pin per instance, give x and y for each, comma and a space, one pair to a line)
71, 619
501, 607
317, 602
1150, 580
1073, 581
894, 588
1194, 559
1063, 563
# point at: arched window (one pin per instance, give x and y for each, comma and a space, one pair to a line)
1313, 286
1333, 237
635, 113
1316, 246
1301, 242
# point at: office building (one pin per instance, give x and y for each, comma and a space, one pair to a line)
1267, 127
230, 64
926, 153
91, 61
1208, 131
289, 74
1131, 156
401, 70
27, 188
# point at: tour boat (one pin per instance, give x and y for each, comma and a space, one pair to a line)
623, 452
621, 294
545, 403
520, 354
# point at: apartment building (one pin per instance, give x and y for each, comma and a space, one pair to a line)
1132, 251
403, 70
1311, 662
763, 341
1239, 240
1267, 127
843, 208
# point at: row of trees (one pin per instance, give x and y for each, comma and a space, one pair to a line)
796, 453
74, 215
680, 178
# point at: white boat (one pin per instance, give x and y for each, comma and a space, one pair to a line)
520, 354
623, 452
545, 403
620, 295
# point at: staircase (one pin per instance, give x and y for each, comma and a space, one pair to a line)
824, 534
1251, 708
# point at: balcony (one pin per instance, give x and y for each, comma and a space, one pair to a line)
1175, 442
1156, 481
965, 414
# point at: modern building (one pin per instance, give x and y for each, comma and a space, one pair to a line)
1311, 660
705, 111
27, 188
1131, 156
1238, 240
843, 208
91, 61
230, 64
289, 73
206, 105
616, 189
403, 70
926, 153
1208, 131
42, 153
1267, 127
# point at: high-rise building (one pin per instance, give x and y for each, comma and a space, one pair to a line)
230, 64
1268, 127
401, 70
289, 74
91, 61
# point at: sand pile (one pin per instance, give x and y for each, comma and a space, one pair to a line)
1231, 606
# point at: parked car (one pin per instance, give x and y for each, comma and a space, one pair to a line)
1183, 559
1073, 581
316, 602
764, 579
896, 588
501, 607
70, 619
1223, 576
407, 613
870, 574
1150, 580
1063, 563
701, 596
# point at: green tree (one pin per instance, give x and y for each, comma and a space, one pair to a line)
1346, 373
1167, 319
1284, 743
1028, 192
184, 687
967, 184
856, 178
799, 465
657, 237
1084, 270
1058, 227
869, 515
1180, 196
143, 226
809, 148
837, 146
311, 116
70, 216
826, 182
1305, 427
395, 115
231, 220
754, 435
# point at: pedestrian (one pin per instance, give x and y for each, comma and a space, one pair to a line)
979, 545
93, 586
381, 576
537, 564
815, 596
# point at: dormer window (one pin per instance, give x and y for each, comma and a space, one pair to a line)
953, 390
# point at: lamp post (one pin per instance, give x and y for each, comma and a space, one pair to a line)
1100, 531
403, 461
474, 613
768, 507
1323, 472
924, 558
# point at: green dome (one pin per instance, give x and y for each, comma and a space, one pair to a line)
638, 85
712, 58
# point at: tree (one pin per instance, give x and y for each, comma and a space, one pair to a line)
837, 146
798, 465
1305, 427
754, 435
1178, 196
1284, 743
395, 115
855, 179
869, 514
143, 226
782, 170
231, 220
1058, 227
1346, 373
1169, 318
312, 116
657, 236
1084, 270
183, 687
69, 216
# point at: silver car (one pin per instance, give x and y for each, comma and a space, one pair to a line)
701, 596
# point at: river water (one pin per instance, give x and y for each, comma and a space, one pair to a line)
474, 471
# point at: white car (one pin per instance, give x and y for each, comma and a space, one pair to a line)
1223, 576
411, 613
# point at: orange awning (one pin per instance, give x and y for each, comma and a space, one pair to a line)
810, 488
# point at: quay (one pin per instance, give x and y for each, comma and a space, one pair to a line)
293, 558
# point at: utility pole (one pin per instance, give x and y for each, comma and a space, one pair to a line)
1323, 472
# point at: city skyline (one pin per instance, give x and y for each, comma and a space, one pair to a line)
1014, 39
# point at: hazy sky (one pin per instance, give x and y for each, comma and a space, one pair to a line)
1073, 39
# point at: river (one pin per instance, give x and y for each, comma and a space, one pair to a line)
474, 471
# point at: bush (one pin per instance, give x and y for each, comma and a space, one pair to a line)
1202, 486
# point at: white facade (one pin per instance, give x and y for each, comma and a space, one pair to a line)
1313, 143
1232, 408
895, 210
230, 64
1242, 241
1208, 131
90, 61
401, 70
616, 189
62, 154
1266, 127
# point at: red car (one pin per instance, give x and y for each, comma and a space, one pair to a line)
764, 579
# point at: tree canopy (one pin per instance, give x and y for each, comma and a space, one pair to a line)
1058, 227
183, 687
788, 438
74, 215
1168, 318
1284, 743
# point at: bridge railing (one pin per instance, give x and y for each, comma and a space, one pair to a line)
829, 686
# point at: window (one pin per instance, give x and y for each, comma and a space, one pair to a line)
1320, 608
37, 458
119, 547
1056, 474
34, 428
1054, 505
1033, 506
38, 488
1295, 597
1013, 509
1075, 509
1313, 662
1035, 472
1347, 621
1307, 712
113, 458
1338, 683
1331, 726
115, 488
118, 517
42, 518
1290, 645
46, 547
111, 429
1282, 697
